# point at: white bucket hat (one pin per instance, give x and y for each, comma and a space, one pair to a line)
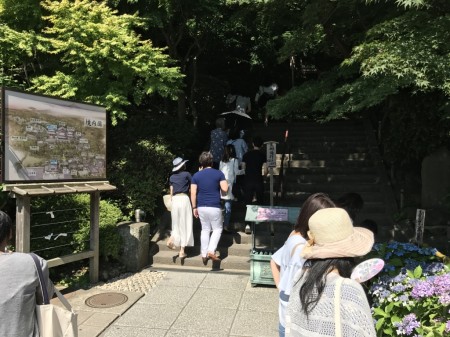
332, 235
178, 163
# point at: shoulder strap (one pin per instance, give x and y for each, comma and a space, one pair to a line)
41, 279
44, 285
337, 307
295, 248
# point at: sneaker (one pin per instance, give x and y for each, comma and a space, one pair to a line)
248, 230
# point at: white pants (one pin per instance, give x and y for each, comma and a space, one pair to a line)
211, 220
182, 235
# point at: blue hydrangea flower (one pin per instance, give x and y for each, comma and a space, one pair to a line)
407, 325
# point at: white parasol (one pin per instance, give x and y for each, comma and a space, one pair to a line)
237, 113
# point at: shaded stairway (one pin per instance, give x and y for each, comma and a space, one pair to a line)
334, 158
337, 157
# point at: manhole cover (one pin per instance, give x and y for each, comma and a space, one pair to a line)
106, 300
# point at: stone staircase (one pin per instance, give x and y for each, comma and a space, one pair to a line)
335, 158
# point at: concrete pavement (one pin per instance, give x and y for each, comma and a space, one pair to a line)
195, 302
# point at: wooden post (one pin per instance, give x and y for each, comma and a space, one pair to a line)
271, 185
94, 239
23, 224
420, 226
271, 163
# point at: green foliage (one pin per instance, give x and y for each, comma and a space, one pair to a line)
78, 278
399, 256
408, 137
140, 167
12, 14
140, 171
414, 303
407, 3
104, 61
72, 216
410, 296
110, 240
17, 40
388, 59
410, 50
16, 51
405, 51
302, 41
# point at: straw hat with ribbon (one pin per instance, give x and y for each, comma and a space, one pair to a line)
332, 235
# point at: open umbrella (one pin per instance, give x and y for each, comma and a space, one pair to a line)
237, 113
237, 119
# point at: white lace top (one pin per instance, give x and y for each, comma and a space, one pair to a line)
355, 316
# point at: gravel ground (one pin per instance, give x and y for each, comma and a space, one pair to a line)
136, 282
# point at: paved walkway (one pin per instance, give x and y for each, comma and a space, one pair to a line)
193, 302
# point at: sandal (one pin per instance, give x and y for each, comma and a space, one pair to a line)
171, 245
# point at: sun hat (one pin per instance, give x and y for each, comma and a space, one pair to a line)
332, 235
178, 163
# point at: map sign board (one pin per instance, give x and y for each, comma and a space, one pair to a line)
44, 138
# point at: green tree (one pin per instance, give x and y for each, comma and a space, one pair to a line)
16, 55
373, 59
186, 28
19, 21
103, 59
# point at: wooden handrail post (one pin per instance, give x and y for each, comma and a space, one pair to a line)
94, 238
22, 224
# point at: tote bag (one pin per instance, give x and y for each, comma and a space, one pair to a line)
54, 321
168, 202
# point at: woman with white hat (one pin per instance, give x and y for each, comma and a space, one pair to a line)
324, 301
180, 182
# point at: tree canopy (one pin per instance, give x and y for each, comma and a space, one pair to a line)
331, 59
92, 53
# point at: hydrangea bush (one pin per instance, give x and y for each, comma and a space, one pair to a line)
412, 295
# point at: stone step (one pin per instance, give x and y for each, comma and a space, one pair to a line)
314, 155
332, 188
310, 126
324, 138
194, 260
238, 249
330, 162
330, 170
300, 196
334, 158
366, 178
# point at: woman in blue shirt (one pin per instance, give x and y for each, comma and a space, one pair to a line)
207, 184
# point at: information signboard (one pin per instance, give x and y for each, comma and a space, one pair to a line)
271, 154
272, 214
44, 139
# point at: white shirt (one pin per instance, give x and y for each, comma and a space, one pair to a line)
289, 259
229, 169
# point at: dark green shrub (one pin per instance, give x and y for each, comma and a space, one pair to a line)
140, 154
110, 240
70, 214
140, 173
